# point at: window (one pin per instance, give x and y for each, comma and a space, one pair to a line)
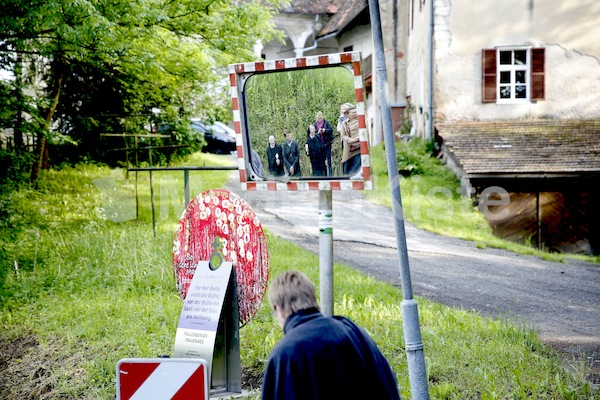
512, 75
513, 80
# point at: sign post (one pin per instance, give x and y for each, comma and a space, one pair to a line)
221, 265
208, 326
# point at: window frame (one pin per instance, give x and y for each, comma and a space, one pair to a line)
513, 68
490, 76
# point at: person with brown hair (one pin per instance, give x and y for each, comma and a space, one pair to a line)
321, 357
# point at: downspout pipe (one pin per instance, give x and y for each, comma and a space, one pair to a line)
431, 66
407, 137
316, 41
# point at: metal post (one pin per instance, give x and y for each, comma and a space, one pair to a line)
326, 251
137, 199
152, 194
538, 217
410, 314
186, 186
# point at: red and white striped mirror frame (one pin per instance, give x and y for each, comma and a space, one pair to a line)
352, 60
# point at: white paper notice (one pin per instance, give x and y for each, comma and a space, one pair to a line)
199, 319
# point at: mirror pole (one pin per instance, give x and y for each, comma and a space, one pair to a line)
410, 315
326, 251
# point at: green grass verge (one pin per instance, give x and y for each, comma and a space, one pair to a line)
91, 291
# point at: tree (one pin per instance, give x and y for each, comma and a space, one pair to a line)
155, 53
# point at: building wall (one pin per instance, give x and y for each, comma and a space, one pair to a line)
299, 30
568, 30
417, 70
393, 14
359, 37
394, 27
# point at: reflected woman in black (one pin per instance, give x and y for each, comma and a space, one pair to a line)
275, 157
314, 150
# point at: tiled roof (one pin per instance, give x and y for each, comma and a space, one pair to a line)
312, 6
524, 147
348, 10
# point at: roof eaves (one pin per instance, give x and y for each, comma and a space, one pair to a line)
346, 13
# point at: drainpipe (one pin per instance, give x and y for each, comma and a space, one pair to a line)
317, 40
409, 136
431, 34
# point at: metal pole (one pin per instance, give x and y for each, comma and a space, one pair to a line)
152, 195
186, 186
410, 314
431, 69
326, 251
538, 217
137, 200
152, 203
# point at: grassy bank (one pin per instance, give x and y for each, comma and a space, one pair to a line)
94, 285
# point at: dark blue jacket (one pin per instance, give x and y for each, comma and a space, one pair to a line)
327, 358
327, 136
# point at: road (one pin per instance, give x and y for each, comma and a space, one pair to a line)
561, 301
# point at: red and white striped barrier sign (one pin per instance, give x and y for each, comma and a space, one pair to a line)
162, 379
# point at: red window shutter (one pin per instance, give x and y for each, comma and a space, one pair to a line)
488, 78
537, 74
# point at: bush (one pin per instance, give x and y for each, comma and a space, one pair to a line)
14, 167
415, 158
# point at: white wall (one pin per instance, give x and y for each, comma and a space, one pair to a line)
298, 28
568, 30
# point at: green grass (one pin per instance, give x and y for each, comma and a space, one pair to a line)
103, 290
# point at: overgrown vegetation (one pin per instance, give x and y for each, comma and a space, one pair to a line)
94, 285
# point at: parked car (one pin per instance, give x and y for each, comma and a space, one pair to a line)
220, 139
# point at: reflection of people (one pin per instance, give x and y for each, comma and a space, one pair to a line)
341, 119
325, 132
351, 154
314, 150
274, 157
291, 154
256, 163
321, 357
